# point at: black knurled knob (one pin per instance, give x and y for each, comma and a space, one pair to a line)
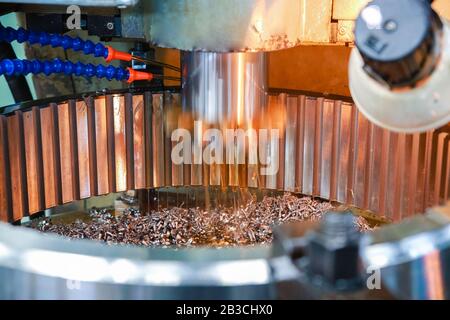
395, 38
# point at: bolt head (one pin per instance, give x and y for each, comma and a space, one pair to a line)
390, 26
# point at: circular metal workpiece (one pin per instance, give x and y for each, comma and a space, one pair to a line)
45, 159
325, 148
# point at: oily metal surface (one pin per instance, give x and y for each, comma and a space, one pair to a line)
60, 152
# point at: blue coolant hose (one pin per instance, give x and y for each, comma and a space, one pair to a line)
21, 35
48, 67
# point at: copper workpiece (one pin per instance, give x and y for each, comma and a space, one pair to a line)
61, 152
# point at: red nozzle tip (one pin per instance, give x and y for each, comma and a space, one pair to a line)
138, 75
117, 55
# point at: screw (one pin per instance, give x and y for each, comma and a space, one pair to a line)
390, 25
110, 26
342, 30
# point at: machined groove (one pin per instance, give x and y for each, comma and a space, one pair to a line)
129, 141
5, 182
92, 145
148, 138
58, 153
110, 138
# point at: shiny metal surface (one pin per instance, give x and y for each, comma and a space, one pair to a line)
334, 152
36, 266
60, 152
413, 257
224, 87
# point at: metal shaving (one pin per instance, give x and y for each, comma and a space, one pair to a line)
246, 225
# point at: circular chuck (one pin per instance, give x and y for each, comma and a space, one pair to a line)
396, 39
